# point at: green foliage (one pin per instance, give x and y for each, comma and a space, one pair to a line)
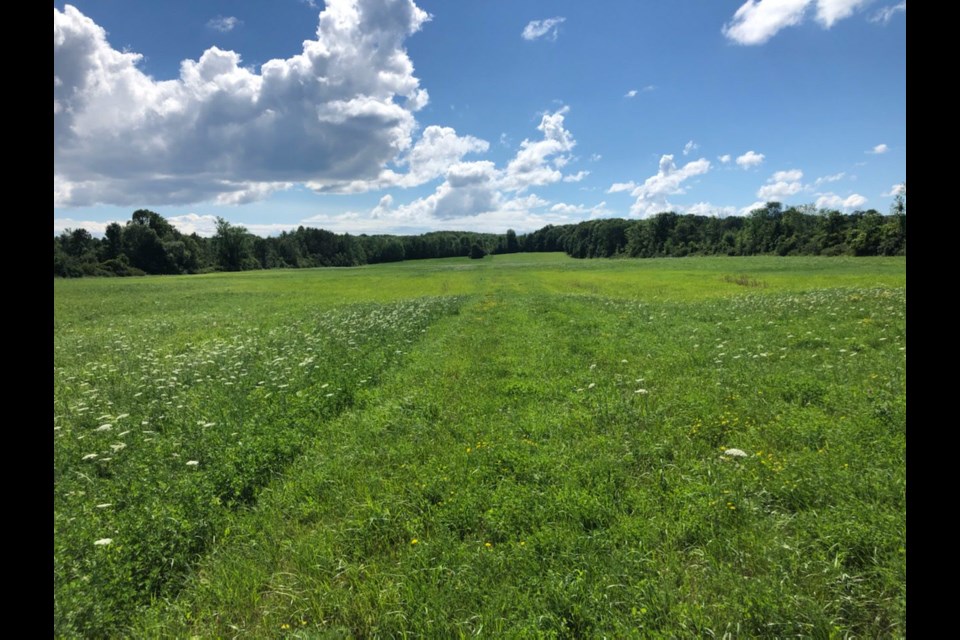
477, 251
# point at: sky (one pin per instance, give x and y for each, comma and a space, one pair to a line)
395, 116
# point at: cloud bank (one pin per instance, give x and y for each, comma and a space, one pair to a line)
336, 113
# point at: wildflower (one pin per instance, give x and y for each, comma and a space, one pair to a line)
488, 545
192, 463
102, 542
414, 541
735, 453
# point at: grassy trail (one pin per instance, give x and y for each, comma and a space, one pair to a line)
511, 479
538, 452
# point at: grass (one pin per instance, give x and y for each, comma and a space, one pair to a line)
543, 457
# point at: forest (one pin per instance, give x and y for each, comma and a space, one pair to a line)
149, 244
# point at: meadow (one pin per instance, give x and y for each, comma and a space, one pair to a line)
526, 445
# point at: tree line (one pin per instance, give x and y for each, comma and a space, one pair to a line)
149, 244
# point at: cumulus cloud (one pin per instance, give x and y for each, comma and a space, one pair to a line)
831, 11
880, 148
725, 158
224, 24
537, 162
630, 94
437, 149
96, 229
886, 14
690, 147
539, 28
337, 112
747, 210
708, 209
895, 190
617, 187
580, 210
651, 196
476, 195
750, 159
833, 201
781, 186
756, 21
576, 177
202, 225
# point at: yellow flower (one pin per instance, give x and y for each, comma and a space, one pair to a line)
414, 541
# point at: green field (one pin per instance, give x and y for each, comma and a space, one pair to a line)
520, 446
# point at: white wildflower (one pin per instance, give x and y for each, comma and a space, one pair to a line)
102, 542
192, 463
735, 453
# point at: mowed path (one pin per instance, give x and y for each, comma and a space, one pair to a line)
464, 484
545, 464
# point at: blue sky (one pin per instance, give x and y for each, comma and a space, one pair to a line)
389, 116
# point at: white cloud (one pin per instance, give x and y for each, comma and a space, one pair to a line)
651, 196
477, 195
595, 157
540, 28
725, 158
833, 201
781, 186
580, 210
747, 210
886, 14
437, 149
756, 21
707, 209
224, 24
202, 225
576, 177
532, 164
690, 146
97, 229
617, 187
335, 113
831, 11
832, 178
880, 148
750, 159
895, 190
630, 94
649, 87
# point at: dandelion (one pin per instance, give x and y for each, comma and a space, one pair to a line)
414, 541
488, 545
102, 542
